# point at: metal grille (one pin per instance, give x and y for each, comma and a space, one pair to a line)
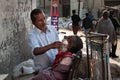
96, 51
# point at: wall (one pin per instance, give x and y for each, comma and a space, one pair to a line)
14, 25
94, 6
98, 6
45, 5
73, 6
112, 3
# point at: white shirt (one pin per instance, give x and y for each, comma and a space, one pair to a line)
37, 38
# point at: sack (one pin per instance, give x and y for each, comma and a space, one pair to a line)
24, 68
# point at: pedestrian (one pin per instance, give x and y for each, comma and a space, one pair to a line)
105, 26
43, 40
116, 25
61, 65
87, 24
90, 15
75, 22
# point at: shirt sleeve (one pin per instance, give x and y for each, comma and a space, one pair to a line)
32, 41
53, 29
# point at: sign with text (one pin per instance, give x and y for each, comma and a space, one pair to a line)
54, 20
54, 12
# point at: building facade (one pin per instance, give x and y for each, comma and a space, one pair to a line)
66, 6
112, 2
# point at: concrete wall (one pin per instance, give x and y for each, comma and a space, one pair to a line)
14, 25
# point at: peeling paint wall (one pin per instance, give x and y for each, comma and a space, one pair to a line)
14, 25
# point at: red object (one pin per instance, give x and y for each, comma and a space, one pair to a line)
54, 7
54, 13
60, 56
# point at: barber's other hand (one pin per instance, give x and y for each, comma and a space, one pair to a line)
56, 44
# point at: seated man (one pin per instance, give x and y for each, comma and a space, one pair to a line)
62, 63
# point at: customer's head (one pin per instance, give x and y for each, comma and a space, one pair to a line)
38, 18
74, 43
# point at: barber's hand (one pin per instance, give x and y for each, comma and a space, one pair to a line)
56, 44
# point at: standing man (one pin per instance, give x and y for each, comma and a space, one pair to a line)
75, 22
87, 24
116, 25
43, 40
105, 26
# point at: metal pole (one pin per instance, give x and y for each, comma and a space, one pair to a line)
44, 4
78, 7
87, 49
102, 58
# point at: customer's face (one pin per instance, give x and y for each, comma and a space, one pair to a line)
70, 40
40, 20
66, 46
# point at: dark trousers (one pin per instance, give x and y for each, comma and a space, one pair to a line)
75, 29
114, 47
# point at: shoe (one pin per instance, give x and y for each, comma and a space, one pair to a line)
36, 72
115, 56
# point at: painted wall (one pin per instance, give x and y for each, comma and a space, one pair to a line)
15, 23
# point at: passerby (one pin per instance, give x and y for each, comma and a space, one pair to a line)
116, 25
43, 40
75, 22
90, 15
105, 26
87, 24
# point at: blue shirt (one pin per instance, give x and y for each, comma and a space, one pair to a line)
37, 38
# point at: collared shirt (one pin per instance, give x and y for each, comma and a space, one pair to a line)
37, 38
